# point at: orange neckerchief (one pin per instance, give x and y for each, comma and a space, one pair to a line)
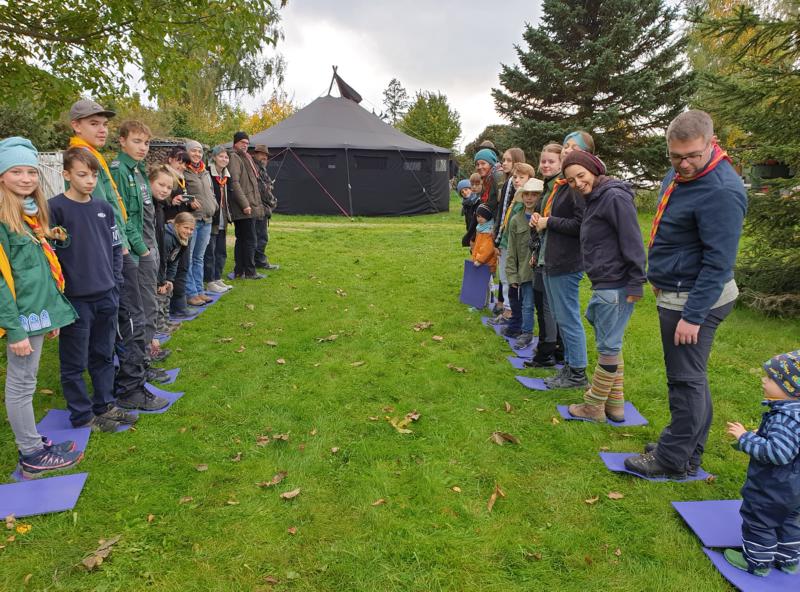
197, 168
548, 205
76, 142
717, 156
49, 253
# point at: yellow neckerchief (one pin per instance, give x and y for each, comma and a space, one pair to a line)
5, 271
76, 142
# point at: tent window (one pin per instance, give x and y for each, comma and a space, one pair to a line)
373, 163
327, 161
441, 165
413, 164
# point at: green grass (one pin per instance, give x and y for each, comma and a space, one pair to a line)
395, 272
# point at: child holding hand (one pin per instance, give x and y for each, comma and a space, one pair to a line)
771, 495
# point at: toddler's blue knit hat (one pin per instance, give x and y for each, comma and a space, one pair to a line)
16, 151
784, 369
463, 184
487, 155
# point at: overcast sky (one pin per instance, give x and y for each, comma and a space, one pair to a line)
451, 46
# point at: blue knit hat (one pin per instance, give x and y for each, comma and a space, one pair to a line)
463, 184
487, 155
784, 369
577, 137
17, 151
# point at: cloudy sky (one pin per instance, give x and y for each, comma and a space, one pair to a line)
451, 46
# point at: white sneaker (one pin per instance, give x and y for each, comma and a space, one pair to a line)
224, 285
215, 288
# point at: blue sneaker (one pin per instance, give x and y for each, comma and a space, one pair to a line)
46, 460
65, 446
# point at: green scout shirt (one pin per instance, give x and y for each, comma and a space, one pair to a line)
39, 307
124, 171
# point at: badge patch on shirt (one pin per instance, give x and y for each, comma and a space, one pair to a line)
101, 214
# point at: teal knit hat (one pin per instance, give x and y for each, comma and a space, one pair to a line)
487, 155
17, 151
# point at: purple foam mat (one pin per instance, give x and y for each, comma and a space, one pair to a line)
497, 328
632, 416
533, 383
170, 396
475, 285
615, 461
525, 352
215, 296
517, 362
58, 419
192, 313
716, 523
41, 496
162, 337
173, 375
776, 581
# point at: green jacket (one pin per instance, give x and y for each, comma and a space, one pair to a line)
518, 259
39, 307
515, 208
123, 170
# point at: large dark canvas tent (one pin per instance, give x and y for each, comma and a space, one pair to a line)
335, 157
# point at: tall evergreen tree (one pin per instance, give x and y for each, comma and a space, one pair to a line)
614, 68
395, 98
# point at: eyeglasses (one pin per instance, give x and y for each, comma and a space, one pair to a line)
694, 156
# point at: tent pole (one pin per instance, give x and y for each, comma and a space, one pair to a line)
333, 78
349, 190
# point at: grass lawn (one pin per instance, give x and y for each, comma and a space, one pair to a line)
369, 282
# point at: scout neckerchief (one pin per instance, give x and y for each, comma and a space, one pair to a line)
198, 168
717, 156
49, 253
5, 271
548, 205
76, 142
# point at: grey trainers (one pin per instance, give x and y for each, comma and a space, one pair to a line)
101, 423
120, 415
523, 341
142, 400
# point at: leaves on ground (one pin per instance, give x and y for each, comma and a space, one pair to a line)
401, 425
456, 488
287, 495
96, 558
241, 349
334, 450
710, 479
225, 340
274, 481
46, 391
458, 369
22, 528
501, 438
185, 499
379, 502
292, 530
262, 440
250, 306
618, 552
422, 325
283, 437
280, 361
329, 338
357, 364
340, 292
11, 520
150, 518
508, 407
271, 343
614, 495
201, 468
247, 325
237, 457
495, 495
554, 420
592, 500
437, 338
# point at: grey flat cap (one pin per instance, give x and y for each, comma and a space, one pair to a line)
86, 108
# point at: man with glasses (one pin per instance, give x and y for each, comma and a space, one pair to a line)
692, 251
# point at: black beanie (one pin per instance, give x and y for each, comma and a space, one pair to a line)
484, 211
240, 136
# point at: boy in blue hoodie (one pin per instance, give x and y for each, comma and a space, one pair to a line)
771, 495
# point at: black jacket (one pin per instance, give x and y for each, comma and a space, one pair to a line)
611, 240
173, 249
563, 249
160, 221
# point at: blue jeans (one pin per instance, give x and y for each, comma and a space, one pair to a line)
562, 294
609, 312
197, 251
526, 292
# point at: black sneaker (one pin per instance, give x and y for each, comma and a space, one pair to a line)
142, 400
255, 276
572, 378
691, 468
46, 460
120, 416
182, 315
157, 375
647, 465
537, 362
161, 355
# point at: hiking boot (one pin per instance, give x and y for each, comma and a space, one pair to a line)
540, 362
120, 415
182, 315
46, 460
161, 355
586, 411
101, 423
158, 375
560, 372
523, 341
254, 276
142, 400
60, 447
509, 332
498, 320
647, 465
737, 560
691, 468
572, 378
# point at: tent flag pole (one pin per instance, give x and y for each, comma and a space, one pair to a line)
333, 79
349, 188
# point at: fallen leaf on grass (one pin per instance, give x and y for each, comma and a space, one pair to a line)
201, 468
373, 418
592, 500
11, 539
401, 425
280, 361
186, 499
11, 520
501, 438
313, 432
250, 306
102, 552
27, 579
357, 364
247, 325
182, 430
437, 338
456, 488
421, 326
480, 409
232, 502
334, 450
284, 437
292, 530
618, 552
290, 494
225, 340
615, 495
588, 560
271, 580
388, 409
237, 458
329, 338
341, 292
23, 528
604, 449
710, 479
301, 447
554, 420
493, 498
508, 407
45, 391
241, 349
379, 502
626, 435
537, 556
150, 518
271, 343
458, 369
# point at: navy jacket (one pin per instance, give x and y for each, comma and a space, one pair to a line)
611, 240
173, 250
562, 253
697, 240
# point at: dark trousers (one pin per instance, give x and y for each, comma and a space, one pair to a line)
691, 410
215, 257
130, 333
88, 343
549, 339
262, 238
770, 531
177, 302
515, 302
245, 248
